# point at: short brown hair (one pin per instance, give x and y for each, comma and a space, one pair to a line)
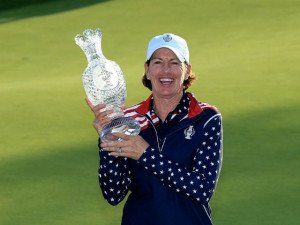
186, 84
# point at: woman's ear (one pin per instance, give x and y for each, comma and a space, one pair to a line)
146, 71
188, 71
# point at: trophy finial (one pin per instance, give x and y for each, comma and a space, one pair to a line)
88, 36
90, 42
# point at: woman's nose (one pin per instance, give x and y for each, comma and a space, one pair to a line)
166, 67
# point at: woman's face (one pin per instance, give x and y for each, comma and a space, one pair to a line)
166, 73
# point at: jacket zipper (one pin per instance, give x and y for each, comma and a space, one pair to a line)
157, 138
156, 135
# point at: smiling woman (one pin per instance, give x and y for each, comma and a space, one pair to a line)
166, 74
173, 165
175, 59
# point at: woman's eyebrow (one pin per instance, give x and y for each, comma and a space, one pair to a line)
161, 58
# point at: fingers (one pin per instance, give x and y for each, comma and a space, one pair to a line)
120, 142
89, 103
117, 152
129, 146
99, 123
114, 150
97, 108
121, 136
102, 118
101, 114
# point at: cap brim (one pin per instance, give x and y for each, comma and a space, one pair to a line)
179, 56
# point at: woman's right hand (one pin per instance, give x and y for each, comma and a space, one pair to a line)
101, 115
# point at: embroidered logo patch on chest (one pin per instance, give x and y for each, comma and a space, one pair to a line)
189, 132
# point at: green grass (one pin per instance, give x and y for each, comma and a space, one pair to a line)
246, 56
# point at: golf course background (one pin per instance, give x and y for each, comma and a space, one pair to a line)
246, 56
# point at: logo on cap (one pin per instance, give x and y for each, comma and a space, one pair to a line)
167, 38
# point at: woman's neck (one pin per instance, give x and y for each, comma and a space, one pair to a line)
163, 106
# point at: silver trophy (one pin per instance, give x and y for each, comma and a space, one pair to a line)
103, 82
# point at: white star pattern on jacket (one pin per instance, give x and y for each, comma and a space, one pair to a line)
197, 183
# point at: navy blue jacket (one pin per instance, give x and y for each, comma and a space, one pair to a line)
173, 181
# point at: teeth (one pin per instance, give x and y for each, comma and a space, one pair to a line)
166, 80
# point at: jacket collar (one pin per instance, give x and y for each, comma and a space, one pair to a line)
194, 108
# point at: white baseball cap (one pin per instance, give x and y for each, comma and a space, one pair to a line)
171, 41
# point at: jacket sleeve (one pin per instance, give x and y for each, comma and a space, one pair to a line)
114, 177
198, 182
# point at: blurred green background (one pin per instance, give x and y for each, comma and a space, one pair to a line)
245, 53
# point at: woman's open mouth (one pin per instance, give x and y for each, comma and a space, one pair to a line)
166, 81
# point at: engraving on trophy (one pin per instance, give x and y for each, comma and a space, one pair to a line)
103, 82
104, 78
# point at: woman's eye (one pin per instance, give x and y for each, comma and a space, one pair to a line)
175, 62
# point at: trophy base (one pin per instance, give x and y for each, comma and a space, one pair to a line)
126, 125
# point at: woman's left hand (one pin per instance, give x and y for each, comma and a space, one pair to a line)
130, 146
